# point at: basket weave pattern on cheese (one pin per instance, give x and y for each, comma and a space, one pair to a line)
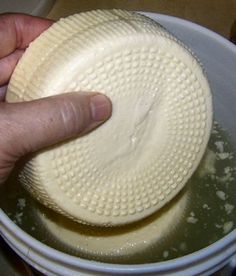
141, 158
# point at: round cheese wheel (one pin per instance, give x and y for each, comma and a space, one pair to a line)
143, 156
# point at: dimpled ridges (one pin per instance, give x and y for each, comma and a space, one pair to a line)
117, 241
139, 160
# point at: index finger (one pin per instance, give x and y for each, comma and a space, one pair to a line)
18, 30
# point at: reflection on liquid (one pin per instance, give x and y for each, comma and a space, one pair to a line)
202, 213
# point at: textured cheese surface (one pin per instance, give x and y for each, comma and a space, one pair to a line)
115, 242
162, 112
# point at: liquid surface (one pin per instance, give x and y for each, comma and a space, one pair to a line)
209, 215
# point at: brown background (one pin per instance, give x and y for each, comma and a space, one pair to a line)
217, 15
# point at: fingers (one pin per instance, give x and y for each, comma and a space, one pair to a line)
18, 30
7, 65
30, 126
3, 90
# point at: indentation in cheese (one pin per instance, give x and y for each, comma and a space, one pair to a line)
142, 157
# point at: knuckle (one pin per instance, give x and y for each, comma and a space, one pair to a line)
73, 117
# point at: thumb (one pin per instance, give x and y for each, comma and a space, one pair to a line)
29, 126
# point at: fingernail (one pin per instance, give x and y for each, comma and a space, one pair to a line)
100, 107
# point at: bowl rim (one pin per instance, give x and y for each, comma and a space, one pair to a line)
229, 241
48, 252
183, 22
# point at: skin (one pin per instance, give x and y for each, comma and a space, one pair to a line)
30, 126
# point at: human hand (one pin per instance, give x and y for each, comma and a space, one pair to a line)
29, 126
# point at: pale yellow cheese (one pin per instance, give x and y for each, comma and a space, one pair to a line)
115, 242
142, 157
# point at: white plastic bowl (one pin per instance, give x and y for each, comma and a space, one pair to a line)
219, 59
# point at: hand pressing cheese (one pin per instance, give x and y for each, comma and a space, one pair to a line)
162, 113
